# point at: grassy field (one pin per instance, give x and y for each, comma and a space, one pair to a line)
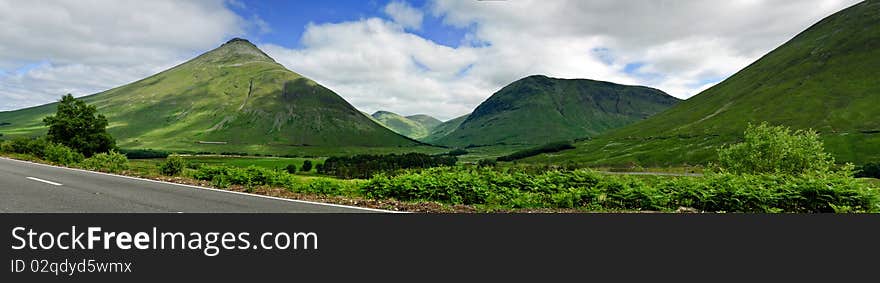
151, 165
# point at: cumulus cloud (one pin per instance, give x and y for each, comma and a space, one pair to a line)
49, 48
404, 14
681, 47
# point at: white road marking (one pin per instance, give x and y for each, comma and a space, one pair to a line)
209, 189
44, 181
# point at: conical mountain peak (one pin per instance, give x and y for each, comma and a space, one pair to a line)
236, 50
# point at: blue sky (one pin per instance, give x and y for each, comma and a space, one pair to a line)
435, 57
288, 19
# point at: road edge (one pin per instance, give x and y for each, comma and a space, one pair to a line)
209, 189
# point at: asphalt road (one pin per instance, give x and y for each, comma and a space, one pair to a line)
31, 187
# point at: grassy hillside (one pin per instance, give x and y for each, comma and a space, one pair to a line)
416, 128
538, 109
444, 129
232, 98
825, 78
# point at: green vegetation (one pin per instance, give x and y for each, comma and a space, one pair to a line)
444, 129
776, 150
426, 120
307, 166
78, 126
547, 148
249, 177
111, 162
62, 155
172, 166
233, 98
365, 166
291, 168
538, 109
870, 170
589, 190
825, 78
416, 129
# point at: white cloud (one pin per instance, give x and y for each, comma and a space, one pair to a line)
682, 47
49, 48
404, 14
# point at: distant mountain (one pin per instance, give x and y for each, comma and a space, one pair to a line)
444, 129
234, 95
416, 126
539, 109
427, 121
826, 78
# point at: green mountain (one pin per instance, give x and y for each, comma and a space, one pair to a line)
826, 78
427, 121
233, 97
417, 127
444, 129
538, 110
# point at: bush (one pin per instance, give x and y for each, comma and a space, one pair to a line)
307, 166
24, 145
776, 150
173, 165
62, 155
587, 189
112, 162
547, 148
291, 168
870, 170
78, 125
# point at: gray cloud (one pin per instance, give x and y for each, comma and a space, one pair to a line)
49, 48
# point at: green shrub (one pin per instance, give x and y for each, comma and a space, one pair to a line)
62, 155
25, 145
291, 168
776, 150
112, 162
173, 165
870, 170
307, 166
587, 189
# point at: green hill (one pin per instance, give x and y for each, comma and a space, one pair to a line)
416, 128
234, 97
444, 129
826, 78
427, 121
538, 109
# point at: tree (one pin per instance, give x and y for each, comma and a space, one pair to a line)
291, 168
776, 150
307, 166
78, 126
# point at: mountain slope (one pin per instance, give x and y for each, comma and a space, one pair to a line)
538, 109
234, 95
427, 121
826, 78
444, 129
404, 125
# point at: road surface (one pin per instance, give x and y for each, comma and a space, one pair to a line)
31, 187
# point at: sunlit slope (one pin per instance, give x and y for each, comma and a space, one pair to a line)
826, 78
234, 95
